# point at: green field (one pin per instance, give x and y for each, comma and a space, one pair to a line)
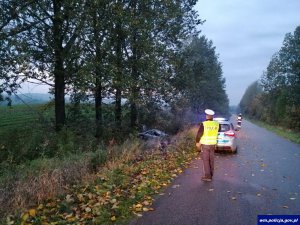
18, 116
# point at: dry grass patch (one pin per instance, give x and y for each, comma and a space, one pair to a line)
46, 179
124, 186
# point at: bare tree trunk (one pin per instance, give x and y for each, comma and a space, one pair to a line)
134, 90
59, 99
118, 80
59, 73
98, 105
133, 110
134, 75
98, 74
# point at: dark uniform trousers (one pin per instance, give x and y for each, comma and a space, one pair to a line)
208, 153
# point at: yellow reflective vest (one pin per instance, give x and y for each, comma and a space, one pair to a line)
210, 133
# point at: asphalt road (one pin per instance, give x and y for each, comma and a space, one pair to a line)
263, 178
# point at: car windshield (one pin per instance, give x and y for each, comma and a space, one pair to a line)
224, 127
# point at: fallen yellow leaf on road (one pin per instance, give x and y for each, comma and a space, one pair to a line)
80, 197
32, 212
146, 203
88, 209
40, 207
113, 201
138, 207
71, 219
113, 218
69, 198
115, 206
25, 216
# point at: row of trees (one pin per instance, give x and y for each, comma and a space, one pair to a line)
199, 77
275, 98
139, 50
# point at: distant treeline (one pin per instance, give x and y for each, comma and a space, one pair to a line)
147, 52
275, 98
27, 98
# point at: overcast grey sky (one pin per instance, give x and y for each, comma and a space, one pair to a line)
246, 34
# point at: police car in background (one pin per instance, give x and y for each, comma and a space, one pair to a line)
226, 141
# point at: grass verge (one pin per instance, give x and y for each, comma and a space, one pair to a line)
122, 187
283, 132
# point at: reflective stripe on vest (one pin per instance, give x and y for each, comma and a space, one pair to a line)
210, 133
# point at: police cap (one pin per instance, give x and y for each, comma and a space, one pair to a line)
209, 112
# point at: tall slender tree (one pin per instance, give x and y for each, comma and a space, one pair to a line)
199, 77
49, 45
155, 32
97, 49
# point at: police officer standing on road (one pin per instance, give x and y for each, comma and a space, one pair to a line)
206, 141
